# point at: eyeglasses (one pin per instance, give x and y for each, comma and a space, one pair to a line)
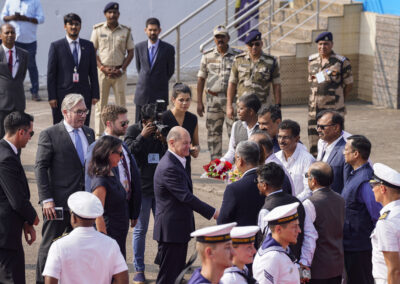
30, 132
374, 183
81, 112
220, 36
306, 175
284, 137
256, 180
124, 123
324, 126
120, 153
257, 43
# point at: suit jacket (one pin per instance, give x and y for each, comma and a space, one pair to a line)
135, 201
15, 207
12, 94
336, 161
175, 202
58, 169
153, 81
242, 201
60, 68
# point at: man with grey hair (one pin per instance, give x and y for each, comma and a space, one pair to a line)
59, 171
242, 200
175, 203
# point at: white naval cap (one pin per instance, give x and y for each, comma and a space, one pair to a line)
214, 234
282, 214
386, 175
244, 234
85, 205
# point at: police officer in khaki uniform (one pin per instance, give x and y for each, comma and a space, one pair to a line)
252, 73
215, 68
331, 82
114, 45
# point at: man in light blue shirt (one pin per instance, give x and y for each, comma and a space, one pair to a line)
25, 15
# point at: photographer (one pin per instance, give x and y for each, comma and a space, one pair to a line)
147, 145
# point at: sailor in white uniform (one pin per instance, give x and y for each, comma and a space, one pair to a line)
386, 236
273, 262
243, 244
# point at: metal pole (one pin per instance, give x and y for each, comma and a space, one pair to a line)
317, 14
273, 9
269, 28
226, 12
178, 53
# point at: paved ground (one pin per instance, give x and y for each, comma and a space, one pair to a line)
381, 126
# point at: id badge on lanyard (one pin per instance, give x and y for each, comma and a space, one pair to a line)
75, 76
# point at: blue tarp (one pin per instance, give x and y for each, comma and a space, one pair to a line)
391, 7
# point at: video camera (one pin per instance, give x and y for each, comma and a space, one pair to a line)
158, 108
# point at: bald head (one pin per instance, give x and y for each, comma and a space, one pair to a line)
179, 141
322, 173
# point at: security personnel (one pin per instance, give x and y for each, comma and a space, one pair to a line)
331, 82
386, 236
82, 254
252, 73
214, 246
215, 68
114, 45
243, 245
273, 262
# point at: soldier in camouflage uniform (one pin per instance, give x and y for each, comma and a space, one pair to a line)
252, 73
215, 67
331, 82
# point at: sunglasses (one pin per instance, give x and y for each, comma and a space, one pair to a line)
374, 182
31, 133
125, 123
324, 126
118, 153
257, 43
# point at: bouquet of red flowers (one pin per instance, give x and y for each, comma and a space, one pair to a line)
217, 169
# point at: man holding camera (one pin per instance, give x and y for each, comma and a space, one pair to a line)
148, 145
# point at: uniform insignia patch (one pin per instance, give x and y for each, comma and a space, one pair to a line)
384, 215
268, 276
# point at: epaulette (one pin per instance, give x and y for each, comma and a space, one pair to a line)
237, 50
208, 51
63, 235
340, 57
313, 56
241, 54
126, 27
98, 25
269, 56
384, 215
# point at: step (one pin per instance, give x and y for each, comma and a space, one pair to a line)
287, 45
336, 7
303, 33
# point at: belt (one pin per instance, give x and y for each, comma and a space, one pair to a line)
215, 94
110, 66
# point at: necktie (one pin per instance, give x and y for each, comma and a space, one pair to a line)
78, 146
151, 55
10, 60
75, 53
125, 165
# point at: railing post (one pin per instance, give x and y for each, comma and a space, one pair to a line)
226, 12
178, 53
273, 9
317, 14
269, 27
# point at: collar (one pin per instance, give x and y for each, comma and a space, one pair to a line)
272, 193
228, 51
387, 207
318, 189
69, 127
362, 167
251, 129
70, 40
248, 171
295, 155
117, 27
270, 242
84, 229
333, 143
271, 158
249, 58
6, 49
181, 160
149, 44
12, 146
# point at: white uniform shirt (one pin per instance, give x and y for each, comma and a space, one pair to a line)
273, 158
297, 165
274, 267
385, 237
84, 256
230, 155
231, 276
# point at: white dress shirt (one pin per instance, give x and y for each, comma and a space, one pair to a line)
322, 145
12, 146
297, 165
385, 237
182, 160
72, 47
230, 155
15, 61
273, 158
84, 256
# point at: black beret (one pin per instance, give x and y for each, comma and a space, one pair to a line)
252, 36
324, 36
111, 5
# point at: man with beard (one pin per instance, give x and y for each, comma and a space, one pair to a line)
215, 67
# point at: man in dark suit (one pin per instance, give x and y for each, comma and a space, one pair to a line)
155, 64
13, 66
72, 68
242, 201
330, 126
59, 170
175, 202
16, 212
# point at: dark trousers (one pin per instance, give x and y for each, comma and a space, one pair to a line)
58, 116
12, 266
3, 115
358, 265
333, 280
50, 231
32, 68
172, 258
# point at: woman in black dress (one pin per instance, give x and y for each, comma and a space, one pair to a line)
179, 115
105, 185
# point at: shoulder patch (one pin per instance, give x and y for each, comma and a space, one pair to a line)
268, 276
313, 56
208, 51
63, 235
98, 25
384, 215
240, 55
340, 57
126, 27
237, 50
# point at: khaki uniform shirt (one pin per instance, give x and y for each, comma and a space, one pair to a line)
216, 68
254, 77
329, 93
112, 45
